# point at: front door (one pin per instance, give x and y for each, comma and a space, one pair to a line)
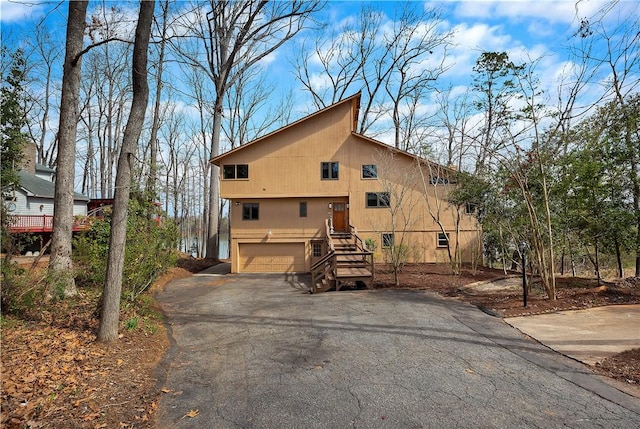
339, 217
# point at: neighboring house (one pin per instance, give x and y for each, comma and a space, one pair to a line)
35, 193
30, 203
291, 189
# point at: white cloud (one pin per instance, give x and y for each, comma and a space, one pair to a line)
555, 11
15, 12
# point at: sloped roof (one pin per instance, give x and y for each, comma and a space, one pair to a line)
356, 97
44, 169
38, 187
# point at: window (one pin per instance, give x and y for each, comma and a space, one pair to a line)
369, 171
443, 239
387, 240
378, 199
435, 180
303, 209
235, 171
329, 170
317, 250
471, 208
250, 211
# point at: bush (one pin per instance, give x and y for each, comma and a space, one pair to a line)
150, 250
21, 296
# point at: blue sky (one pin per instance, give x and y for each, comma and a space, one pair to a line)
528, 30
523, 28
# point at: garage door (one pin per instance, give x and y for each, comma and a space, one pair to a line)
271, 257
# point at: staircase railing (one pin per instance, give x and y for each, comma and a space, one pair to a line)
361, 246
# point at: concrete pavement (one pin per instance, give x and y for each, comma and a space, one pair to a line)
589, 335
259, 352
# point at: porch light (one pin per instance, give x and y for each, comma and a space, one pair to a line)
330, 205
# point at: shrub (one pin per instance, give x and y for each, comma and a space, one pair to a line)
150, 249
21, 295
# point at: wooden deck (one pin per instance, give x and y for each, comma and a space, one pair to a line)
43, 223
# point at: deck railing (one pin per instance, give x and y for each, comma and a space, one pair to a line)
42, 223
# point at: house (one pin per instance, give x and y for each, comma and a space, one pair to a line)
292, 191
29, 204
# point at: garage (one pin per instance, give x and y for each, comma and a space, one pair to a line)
271, 257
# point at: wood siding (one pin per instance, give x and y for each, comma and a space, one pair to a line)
285, 169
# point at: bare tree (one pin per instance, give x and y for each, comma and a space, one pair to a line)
110, 311
235, 37
249, 110
60, 263
436, 181
153, 138
392, 63
45, 55
397, 177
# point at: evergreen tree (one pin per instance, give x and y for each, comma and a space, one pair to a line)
12, 115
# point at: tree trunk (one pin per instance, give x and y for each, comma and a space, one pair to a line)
153, 139
60, 263
110, 314
214, 185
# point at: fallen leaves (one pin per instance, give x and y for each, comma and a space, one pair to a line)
60, 377
192, 414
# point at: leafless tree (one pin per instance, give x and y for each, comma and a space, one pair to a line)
435, 183
110, 311
60, 263
392, 63
231, 38
44, 56
159, 68
397, 177
250, 108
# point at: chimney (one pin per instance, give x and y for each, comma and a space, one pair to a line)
29, 158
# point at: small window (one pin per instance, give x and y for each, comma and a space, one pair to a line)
378, 199
471, 208
369, 171
250, 211
317, 250
303, 209
387, 240
435, 180
443, 239
235, 171
329, 170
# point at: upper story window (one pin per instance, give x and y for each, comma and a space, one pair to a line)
250, 211
303, 209
369, 171
378, 199
329, 170
235, 171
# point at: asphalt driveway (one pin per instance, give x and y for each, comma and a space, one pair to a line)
259, 352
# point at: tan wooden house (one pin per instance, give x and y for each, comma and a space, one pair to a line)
316, 186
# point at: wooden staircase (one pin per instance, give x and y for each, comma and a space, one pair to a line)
347, 261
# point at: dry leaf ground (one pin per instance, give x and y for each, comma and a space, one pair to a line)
54, 374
